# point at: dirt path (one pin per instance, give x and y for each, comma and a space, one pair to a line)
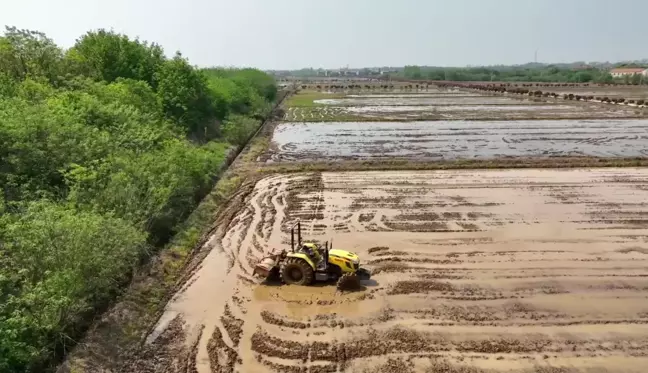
514, 270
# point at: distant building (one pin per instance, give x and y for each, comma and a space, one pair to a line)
620, 72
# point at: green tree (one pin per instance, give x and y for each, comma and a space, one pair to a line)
532, 73
34, 90
186, 98
25, 53
64, 262
154, 190
106, 55
582, 77
263, 84
36, 142
636, 79
96, 164
436, 75
237, 129
604, 77
412, 72
7, 85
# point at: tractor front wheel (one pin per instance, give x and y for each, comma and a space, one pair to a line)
349, 281
297, 272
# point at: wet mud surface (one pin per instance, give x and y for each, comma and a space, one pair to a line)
525, 271
474, 271
441, 99
447, 104
627, 92
437, 140
458, 112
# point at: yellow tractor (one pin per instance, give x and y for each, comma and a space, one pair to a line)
308, 262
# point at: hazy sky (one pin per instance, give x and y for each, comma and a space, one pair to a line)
273, 34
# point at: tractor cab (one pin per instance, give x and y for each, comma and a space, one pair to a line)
315, 253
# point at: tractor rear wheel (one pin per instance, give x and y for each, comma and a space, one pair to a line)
296, 271
348, 281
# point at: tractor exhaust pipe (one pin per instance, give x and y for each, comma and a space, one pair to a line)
292, 236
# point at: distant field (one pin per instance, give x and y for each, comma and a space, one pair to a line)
460, 139
306, 99
629, 92
442, 104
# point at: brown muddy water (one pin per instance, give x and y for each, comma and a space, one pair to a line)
460, 139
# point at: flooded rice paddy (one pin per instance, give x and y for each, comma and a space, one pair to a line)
417, 100
528, 111
460, 139
486, 108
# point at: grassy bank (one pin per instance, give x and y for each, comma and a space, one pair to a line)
307, 98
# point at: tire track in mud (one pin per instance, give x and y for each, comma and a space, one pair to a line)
523, 291
524, 271
471, 306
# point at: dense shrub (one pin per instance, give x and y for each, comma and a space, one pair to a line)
545, 74
104, 149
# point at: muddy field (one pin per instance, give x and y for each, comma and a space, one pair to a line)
459, 139
474, 271
627, 92
530, 111
415, 99
634, 92
444, 104
522, 271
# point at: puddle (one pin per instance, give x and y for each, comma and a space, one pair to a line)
461, 139
303, 301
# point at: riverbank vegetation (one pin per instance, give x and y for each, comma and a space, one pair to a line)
105, 149
547, 74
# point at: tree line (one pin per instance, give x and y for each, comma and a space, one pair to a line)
541, 73
105, 148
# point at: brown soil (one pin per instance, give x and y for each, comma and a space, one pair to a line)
232, 325
517, 291
408, 287
377, 250
168, 350
222, 358
526, 271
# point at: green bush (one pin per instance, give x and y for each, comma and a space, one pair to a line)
57, 264
237, 129
104, 150
539, 73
